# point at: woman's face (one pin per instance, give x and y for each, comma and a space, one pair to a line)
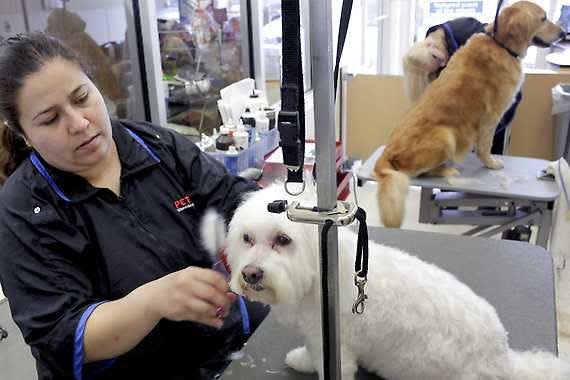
64, 118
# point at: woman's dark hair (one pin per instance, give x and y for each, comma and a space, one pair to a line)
21, 56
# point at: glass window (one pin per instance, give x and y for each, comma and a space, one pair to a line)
271, 42
98, 31
433, 12
201, 53
360, 52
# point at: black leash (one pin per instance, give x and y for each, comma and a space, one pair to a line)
292, 141
361, 263
325, 299
292, 114
342, 31
495, 24
496, 28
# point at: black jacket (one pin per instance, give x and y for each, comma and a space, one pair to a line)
58, 258
458, 31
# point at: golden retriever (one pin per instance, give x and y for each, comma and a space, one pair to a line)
461, 108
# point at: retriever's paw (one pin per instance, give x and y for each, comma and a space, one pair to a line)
450, 172
494, 163
300, 360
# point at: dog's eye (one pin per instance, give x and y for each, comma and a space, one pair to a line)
543, 19
247, 239
282, 240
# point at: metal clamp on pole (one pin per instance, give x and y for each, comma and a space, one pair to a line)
342, 214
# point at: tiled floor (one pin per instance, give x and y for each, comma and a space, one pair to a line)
367, 199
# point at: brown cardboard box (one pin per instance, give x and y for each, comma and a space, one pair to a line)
531, 132
376, 104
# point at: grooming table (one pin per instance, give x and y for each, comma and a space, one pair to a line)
516, 278
492, 200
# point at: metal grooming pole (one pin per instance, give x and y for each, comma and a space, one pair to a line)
322, 77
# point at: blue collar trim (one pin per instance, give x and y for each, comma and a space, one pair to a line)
451, 36
38, 164
44, 173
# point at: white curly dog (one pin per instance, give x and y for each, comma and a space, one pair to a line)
420, 322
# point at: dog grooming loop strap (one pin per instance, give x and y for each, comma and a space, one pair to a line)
291, 120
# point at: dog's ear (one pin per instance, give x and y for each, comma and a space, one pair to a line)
516, 27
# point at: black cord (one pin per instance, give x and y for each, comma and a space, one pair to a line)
325, 298
495, 24
361, 263
343, 30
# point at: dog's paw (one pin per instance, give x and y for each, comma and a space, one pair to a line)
450, 172
300, 360
494, 163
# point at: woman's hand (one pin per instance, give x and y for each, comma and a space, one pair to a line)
191, 294
435, 57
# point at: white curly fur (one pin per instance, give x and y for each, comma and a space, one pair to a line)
420, 322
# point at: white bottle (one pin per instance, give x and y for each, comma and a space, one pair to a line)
241, 137
230, 126
248, 120
256, 101
261, 122
231, 160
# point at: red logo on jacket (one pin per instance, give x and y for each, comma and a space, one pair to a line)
183, 203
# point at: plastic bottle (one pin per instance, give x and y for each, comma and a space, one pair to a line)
261, 122
224, 140
206, 144
241, 137
256, 101
231, 159
270, 114
248, 120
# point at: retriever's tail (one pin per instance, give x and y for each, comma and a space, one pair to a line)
392, 192
534, 365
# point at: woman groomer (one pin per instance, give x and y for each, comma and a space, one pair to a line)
100, 256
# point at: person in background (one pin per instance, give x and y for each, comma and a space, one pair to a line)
70, 28
101, 260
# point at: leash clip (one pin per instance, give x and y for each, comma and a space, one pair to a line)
358, 306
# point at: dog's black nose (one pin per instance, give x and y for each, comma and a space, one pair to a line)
251, 274
562, 35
